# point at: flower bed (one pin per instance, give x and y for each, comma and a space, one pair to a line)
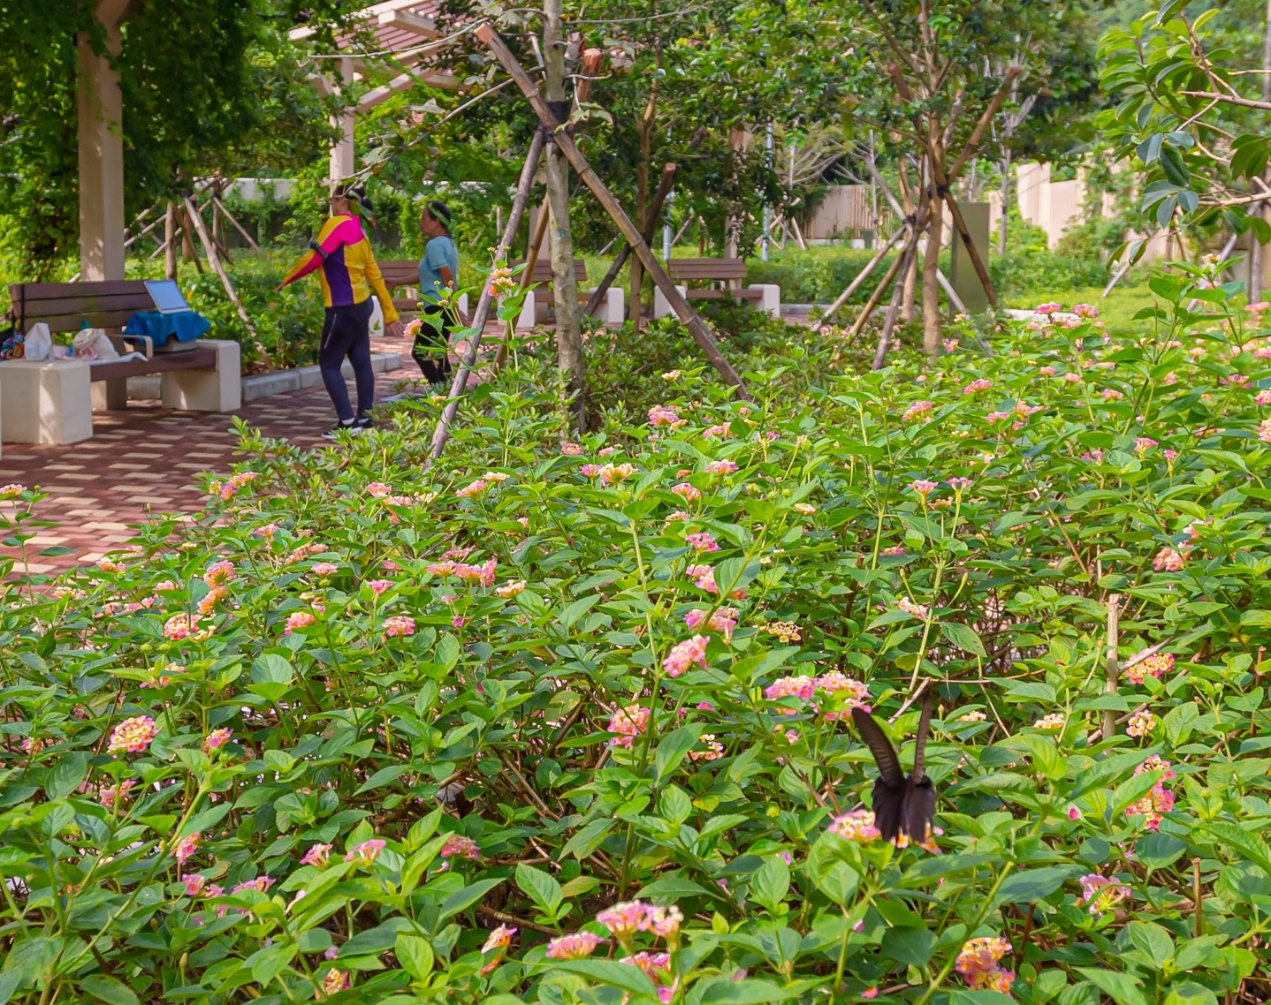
568, 721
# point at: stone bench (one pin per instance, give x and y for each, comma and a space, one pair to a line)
52, 401
728, 273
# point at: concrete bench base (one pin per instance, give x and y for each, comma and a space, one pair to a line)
52, 402
612, 309
767, 300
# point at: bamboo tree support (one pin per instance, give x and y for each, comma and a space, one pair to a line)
214, 261
697, 328
859, 281
442, 433
950, 292
912, 232
1112, 671
910, 256
942, 180
650, 225
218, 231
170, 241
187, 237
531, 260
972, 252
220, 206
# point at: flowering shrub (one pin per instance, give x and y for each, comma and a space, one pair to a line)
623, 774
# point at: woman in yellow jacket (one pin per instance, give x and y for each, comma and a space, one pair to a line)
341, 255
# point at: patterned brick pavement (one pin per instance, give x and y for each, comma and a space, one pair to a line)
144, 462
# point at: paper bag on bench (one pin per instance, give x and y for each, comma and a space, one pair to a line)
39, 343
93, 343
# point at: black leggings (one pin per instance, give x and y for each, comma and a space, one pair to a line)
347, 332
431, 346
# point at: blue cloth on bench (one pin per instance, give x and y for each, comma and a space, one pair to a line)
185, 326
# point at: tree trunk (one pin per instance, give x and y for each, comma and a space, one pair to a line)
635, 286
569, 352
1258, 258
733, 224
1006, 203
910, 277
930, 282
170, 242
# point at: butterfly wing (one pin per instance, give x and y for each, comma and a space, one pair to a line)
884, 753
920, 741
889, 808
918, 811
890, 787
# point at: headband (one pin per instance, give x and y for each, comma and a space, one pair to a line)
439, 210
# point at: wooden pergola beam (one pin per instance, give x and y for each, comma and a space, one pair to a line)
432, 78
405, 20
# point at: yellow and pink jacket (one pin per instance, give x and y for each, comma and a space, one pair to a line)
348, 272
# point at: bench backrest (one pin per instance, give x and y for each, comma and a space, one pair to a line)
400, 272
707, 268
543, 270
67, 307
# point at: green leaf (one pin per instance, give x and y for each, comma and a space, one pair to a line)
541, 887
964, 638
576, 610
66, 777
673, 748
838, 882
588, 839
1190, 993
1121, 988
270, 668
619, 975
1179, 722
722, 991
909, 945
108, 989
415, 955
1033, 885
463, 899
382, 777
1247, 843
673, 888
1027, 690
8, 984
771, 882
1153, 941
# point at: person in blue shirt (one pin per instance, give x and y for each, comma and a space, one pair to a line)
438, 273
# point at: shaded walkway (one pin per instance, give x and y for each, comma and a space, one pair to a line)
143, 462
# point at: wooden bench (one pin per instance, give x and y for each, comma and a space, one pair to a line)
52, 401
403, 274
724, 277
544, 296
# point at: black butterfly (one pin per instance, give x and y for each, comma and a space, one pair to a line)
904, 808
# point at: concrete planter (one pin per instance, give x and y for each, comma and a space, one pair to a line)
262, 385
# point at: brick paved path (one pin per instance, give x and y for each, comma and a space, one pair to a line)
144, 461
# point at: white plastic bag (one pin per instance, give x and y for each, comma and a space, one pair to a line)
38, 343
93, 343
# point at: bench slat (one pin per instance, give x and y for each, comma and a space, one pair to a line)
743, 294
543, 270
707, 268
400, 272
72, 322
69, 306
189, 359
112, 287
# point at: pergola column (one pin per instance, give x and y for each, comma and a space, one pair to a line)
101, 151
343, 159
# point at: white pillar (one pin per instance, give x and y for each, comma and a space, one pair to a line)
101, 152
342, 163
